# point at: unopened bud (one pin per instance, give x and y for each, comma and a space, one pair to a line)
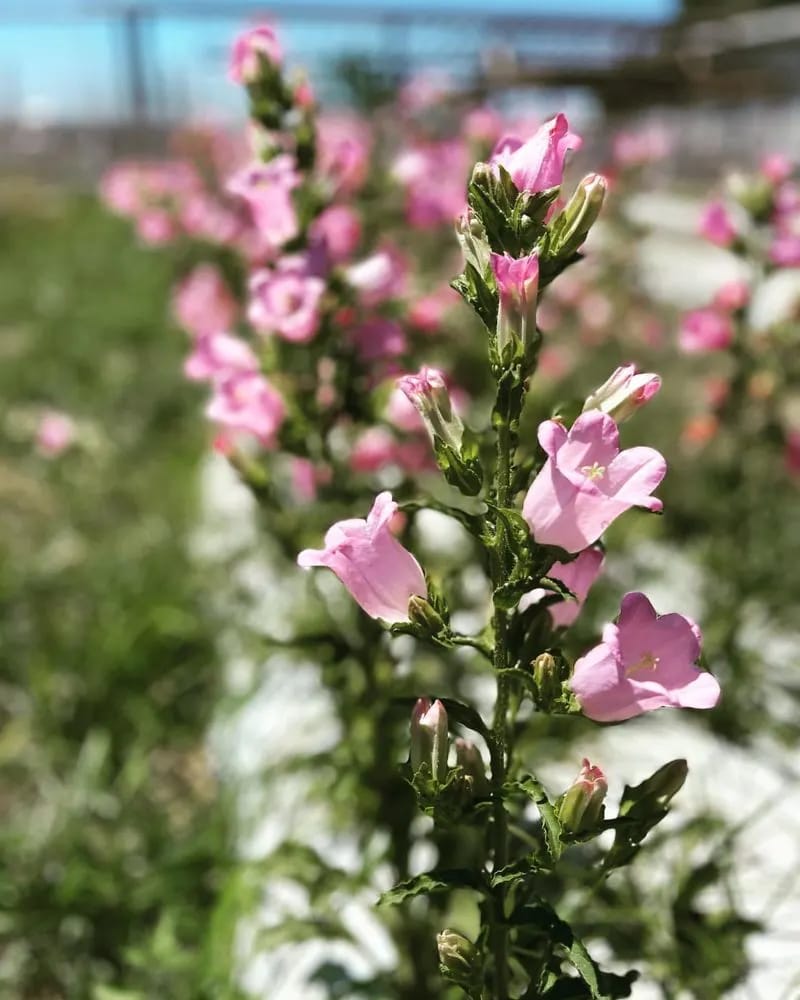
474, 244
469, 759
427, 392
579, 214
424, 616
429, 738
517, 281
623, 393
456, 953
667, 780
580, 808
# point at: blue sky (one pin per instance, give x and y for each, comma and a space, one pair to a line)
55, 64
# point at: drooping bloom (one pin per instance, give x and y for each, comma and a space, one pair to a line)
203, 303
286, 302
427, 392
579, 576
55, 433
587, 482
381, 575
217, 355
645, 661
705, 330
247, 403
623, 393
248, 50
538, 164
716, 225
517, 287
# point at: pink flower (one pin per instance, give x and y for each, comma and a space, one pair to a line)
785, 250
538, 164
791, 454
427, 312
217, 355
156, 227
645, 661
338, 229
624, 392
716, 225
579, 576
705, 330
518, 289
380, 574
776, 167
427, 392
304, 479
202, 302
482, 124
249, 49
379, 338
373, 450
286, 303
379, 277
246, 402
732, 296
587, 482
401, 412
343, 151
55, 433
267, 189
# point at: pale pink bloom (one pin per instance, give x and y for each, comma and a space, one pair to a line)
482, 124
338, 229
379, 277
791, 455
203, 303
217, 355
705, 330
304, 479
286, 303
120, 188
732, 296
426, 88
156, 227
716, 225
380, 574
205, 217
434, 175
373, 450
538, 164
401, 412
587, 482
776, 167
378, 338
427, 312
267, 189
247, 403
785, 250
645, 661
624, 392
343, 150
596, 311
55, 433
249, 49
517, 281
579, 576
634, 149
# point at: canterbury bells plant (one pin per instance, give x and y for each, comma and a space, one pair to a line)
537, 514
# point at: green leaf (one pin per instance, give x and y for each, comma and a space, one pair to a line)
532, 787
466, 716
516, 872
428, 883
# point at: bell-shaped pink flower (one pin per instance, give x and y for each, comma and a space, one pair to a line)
517, 281
587, 482
579, 575
203, 303
286, 303
624, 392
705, 330
538, 164
379, 277
378, 338
338, 229
246, 402
645, 661
216, 355
380, 574
716, 225
267, 189
248, 49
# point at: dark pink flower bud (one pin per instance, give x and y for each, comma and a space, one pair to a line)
249, 49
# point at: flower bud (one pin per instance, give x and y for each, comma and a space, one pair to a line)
580, 808
456, 953
517, 283
580, 214
623, 393
252, 51
427, 391
429, 739
424, 616
469, 759
471, 235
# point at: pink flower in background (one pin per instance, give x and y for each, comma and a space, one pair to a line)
379, 277
434, 175
425, 89
248, 50
579, 575
217, 355
286, 303
624, 392
791, 454
427, 312
401, 412
344, 145
517, 281
247, 403
267, 190
776, 167
716, 225
732, 296
645, 661
785, 250
338, 229
156, 227
205, 217
373, 450
538, 164
304, 479
636, 148
380, 574
705, 330
120, 188
55, 433
482, 124
587, 482
203, 303
379, 338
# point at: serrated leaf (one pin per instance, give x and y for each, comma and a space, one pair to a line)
428, 883
532, 787
516, 872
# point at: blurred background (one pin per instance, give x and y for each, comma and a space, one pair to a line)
128, 730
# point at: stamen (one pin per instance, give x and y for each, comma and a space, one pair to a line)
594, 471
647, 662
